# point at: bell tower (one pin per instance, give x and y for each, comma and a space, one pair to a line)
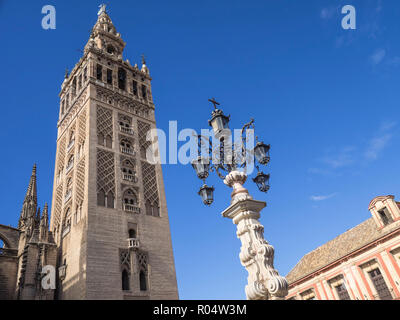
109, 215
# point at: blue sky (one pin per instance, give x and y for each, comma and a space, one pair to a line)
325, 98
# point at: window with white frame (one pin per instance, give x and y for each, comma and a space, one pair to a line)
308, 294
338, 284
376, 280
385, 216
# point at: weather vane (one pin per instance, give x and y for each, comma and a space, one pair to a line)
102, 9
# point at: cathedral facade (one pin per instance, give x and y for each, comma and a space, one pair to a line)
109, 234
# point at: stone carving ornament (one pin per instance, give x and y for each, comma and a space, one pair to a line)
256, 254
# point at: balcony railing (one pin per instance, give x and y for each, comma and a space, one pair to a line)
129, 177
70, 145
133, 243
62, 272
127, 130
68, 195
69, 167
127, 151
131, 208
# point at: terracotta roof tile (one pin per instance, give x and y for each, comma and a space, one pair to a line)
347, 242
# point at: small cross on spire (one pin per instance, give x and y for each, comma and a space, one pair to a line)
143, 59
215, 103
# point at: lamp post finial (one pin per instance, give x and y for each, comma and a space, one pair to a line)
214, 102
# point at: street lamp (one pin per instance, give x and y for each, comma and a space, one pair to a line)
256, 255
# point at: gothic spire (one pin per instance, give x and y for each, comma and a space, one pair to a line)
29, 206
38, 217
45, 215
104, 35
31, 193
44, 224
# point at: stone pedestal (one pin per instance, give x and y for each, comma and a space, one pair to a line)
256, 254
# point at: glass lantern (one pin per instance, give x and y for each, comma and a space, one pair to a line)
261, 152
219, 121
262, 181
201, 165
207, 194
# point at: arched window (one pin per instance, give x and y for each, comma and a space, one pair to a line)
132, 233
126, 144
144, 92
99, 72
71, 160
2, 244
80, 150
70, 163
110, 49
100, 139
125, 280
130, 197
109, 76
110, 200
101, 198
80, 82
127, 171
142, 281
121, 78
134, 87
74, 87
68, 191
124, 123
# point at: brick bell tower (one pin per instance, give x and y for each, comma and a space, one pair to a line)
109, 215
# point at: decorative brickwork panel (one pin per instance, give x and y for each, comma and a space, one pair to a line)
127, 104
58, 205
82, 126
72, 130
143, 128
105, 171
124, 118
142, 260
61, 154
125, 258
104, 121
150, 183
80, 181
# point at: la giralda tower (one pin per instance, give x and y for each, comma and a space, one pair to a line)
109, 214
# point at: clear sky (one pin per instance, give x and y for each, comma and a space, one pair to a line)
325, 98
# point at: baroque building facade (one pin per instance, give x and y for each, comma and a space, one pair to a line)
109, 233
361, 264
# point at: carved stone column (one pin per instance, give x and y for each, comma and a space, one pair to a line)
256, 254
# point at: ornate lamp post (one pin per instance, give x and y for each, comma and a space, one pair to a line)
256, 255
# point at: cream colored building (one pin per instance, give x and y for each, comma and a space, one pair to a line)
361, 264
109, 221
